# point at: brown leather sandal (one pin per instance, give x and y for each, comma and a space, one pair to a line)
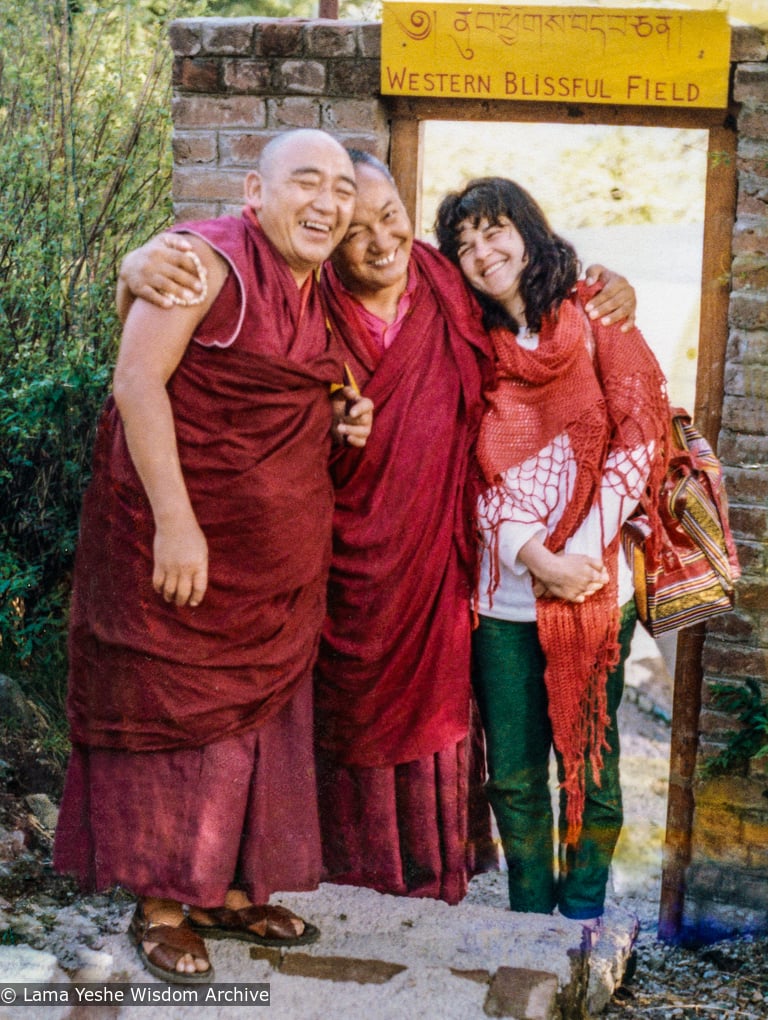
172, 944
265, 925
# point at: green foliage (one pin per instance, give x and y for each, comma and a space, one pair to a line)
85, 176
747, 705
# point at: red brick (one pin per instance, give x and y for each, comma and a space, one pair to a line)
230, 208
749, 521
353, 78
749, 311
329, 39
716, 726
719, 843
194, 74
207, 185
735, 661
735, 626
749, 346
226, 36
750, 271
293, 112
218, 112
189, 147
283, 38
751, 83
747, 486
752, 557
753, 123
242, 148
752, 158
377, 145
195, 211
184, 38
733, 795
752, 203
747, 44
369, 40
745, 414
247, 75
306, 76
360, 115
750, 235
753, 595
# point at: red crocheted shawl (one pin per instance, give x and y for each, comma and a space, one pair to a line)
605, 392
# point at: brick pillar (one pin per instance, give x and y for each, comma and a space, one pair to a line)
727, 880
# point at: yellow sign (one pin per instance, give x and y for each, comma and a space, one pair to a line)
637, 57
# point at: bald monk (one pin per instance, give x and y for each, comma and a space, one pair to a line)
200, 580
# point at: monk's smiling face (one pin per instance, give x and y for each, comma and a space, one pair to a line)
374, 254
303, 195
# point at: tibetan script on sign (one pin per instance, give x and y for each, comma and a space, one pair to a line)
642, 56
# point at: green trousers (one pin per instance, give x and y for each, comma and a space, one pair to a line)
508, 678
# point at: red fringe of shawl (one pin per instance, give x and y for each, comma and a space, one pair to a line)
614, 402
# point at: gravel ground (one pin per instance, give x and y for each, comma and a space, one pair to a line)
727, 980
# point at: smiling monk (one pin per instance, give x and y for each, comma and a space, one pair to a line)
200, 581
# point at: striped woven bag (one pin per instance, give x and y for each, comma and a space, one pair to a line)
686, 573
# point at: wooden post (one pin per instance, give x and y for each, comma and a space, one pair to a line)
405, 155
328, 9
715, 295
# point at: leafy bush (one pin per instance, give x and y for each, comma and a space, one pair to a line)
746, 702
85, 176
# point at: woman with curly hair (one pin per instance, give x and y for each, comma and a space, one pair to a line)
571, 441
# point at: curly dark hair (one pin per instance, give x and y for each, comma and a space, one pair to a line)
553, 266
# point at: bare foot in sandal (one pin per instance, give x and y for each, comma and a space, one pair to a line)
167, 945
241, 919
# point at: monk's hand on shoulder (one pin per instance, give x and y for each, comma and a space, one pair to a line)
165, 271
180, 573
615, 302
352, 417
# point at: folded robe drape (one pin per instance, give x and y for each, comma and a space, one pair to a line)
393, 669
252, 416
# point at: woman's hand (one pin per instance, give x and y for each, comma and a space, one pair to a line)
572, 577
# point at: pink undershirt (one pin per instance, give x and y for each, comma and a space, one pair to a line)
384, 333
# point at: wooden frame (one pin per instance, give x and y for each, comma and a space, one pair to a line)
408, 116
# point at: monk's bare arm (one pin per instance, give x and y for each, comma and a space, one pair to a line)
161, 272
152, 345
616, 300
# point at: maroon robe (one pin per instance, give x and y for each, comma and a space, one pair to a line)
252, 417
393, 678
169, 705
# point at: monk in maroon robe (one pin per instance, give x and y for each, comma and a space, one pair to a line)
200, 581
392, 690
